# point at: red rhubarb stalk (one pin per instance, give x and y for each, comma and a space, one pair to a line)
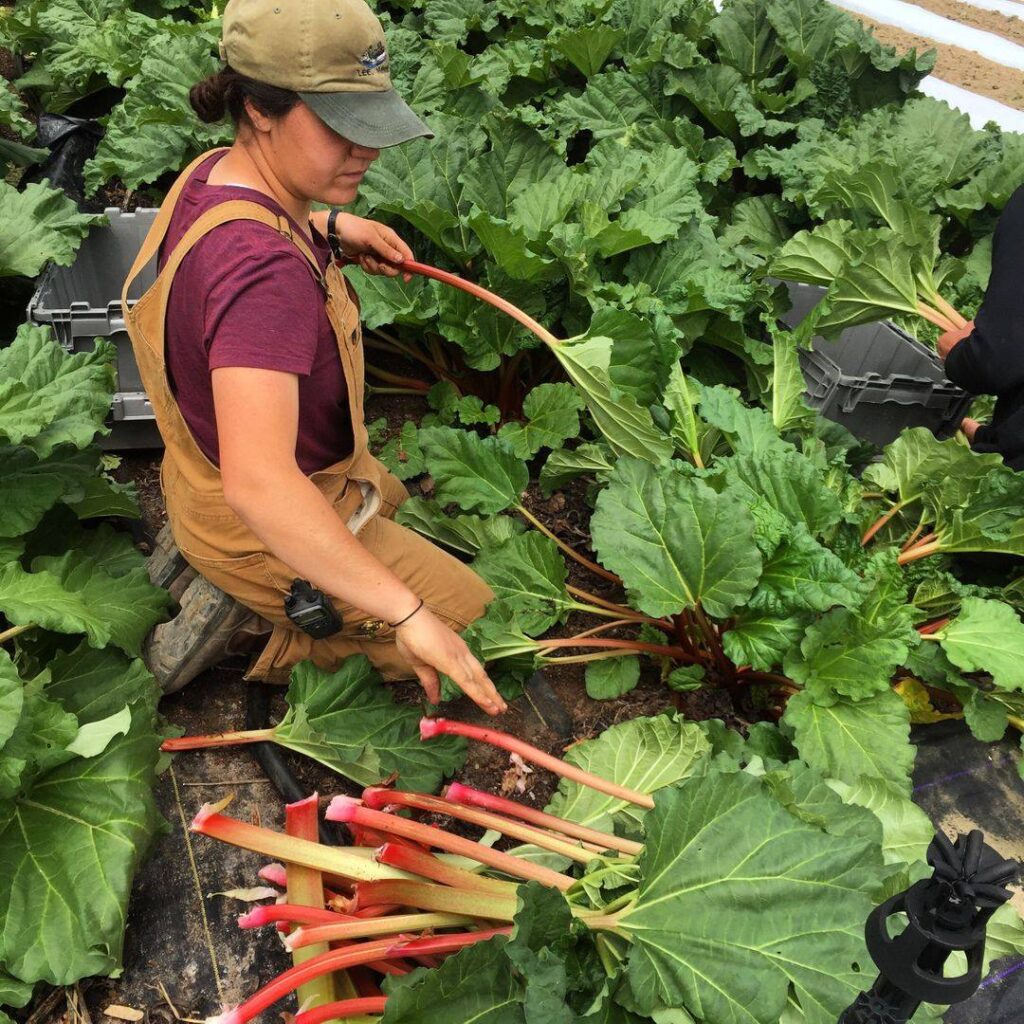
330, 860
482, 293
218, 739
341, 1010
378, 797
437, 898
430, 727
346, 809
426, 865
461, 794
292, 912
338, 960
399, 924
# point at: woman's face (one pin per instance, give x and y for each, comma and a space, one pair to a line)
312, 161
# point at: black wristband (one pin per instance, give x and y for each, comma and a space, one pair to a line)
400, 622
332, 235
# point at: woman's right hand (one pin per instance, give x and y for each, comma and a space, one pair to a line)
431, 647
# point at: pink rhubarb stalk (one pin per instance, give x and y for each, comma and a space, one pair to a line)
341, 1010
378, 797
426, 865
438, 899
398, 924
291, 912
470, 797
338, 960
346, 809
430, 727
330, 860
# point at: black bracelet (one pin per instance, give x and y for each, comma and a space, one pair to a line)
332, 235
395, 625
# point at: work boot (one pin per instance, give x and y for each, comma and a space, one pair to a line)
210, 627
167, 566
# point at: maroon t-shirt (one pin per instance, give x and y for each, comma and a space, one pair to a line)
246, 296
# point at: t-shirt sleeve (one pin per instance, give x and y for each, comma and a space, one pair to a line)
262, 312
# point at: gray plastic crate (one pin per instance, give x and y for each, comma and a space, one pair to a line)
83, 302
875, 379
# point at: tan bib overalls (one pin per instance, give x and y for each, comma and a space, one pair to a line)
365, 495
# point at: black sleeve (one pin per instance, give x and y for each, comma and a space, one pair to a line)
991, 360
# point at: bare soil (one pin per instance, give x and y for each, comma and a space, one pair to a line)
958, 66
988, 21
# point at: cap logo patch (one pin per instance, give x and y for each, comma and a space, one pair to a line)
374, 60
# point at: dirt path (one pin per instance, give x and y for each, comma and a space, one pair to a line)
957, 66
988, 21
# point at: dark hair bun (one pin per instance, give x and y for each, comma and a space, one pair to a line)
208, 98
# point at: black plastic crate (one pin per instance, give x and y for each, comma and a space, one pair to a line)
875, 379
83, 302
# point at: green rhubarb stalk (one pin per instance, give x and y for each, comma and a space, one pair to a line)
316, 937
329, 860
379, 797
430, 727
439, 899
306, 886
10, 634
345, 809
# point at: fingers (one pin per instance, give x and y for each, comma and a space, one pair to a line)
372, 265
399, 248
430, 681
474, 682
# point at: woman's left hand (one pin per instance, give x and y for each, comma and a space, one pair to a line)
372, 245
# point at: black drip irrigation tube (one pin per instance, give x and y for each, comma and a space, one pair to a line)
269, 758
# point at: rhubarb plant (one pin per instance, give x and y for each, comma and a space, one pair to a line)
633, 927
349, 722
813, 589
79, 732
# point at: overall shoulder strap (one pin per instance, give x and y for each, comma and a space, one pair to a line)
158, 229
238, 209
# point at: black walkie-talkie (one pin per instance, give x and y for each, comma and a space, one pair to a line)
311, 610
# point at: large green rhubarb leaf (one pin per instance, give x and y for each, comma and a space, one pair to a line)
466, 533
645, 754
716, 847
33, 485
906, 830
675, 542
69, 846
623, 422
72, 594
154, 129
48, 397
552, 417
529, 575
37, 225
803, 575
987, 636
475, 987
843, 654
479, 474
848, 740
349, 722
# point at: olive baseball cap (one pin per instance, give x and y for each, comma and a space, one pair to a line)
333, 54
